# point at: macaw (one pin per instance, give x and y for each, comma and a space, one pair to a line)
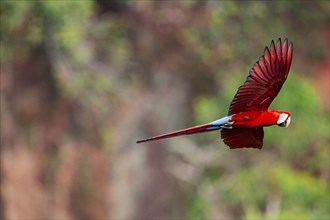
248, 112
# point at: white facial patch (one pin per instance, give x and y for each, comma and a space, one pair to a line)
282, 118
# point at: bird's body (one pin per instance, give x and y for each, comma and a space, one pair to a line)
248, 112
257, 118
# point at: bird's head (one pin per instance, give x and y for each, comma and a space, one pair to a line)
284, 120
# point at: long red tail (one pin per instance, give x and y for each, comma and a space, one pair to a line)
192, 130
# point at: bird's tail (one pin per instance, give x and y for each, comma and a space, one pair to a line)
215, 125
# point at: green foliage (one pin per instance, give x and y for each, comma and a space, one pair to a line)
196, 208
303, 195
12, 16
308, 128
62, 21
67, 18
299, 194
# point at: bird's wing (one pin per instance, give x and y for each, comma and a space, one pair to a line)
239, 137
265, 79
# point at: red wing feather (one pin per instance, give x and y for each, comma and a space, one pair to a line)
265, 80
240, 137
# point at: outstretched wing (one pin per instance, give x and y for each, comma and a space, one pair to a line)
240, 137
265, 79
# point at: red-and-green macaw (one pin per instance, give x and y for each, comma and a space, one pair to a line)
248, 112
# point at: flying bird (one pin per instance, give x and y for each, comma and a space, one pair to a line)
248, 112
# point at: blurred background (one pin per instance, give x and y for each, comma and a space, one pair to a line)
82, 81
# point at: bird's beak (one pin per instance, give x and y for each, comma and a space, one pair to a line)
288, 120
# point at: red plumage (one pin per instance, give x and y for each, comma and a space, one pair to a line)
264, 82
265, 79
243, 137
248, 112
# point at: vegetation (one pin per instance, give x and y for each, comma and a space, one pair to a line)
81, 81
